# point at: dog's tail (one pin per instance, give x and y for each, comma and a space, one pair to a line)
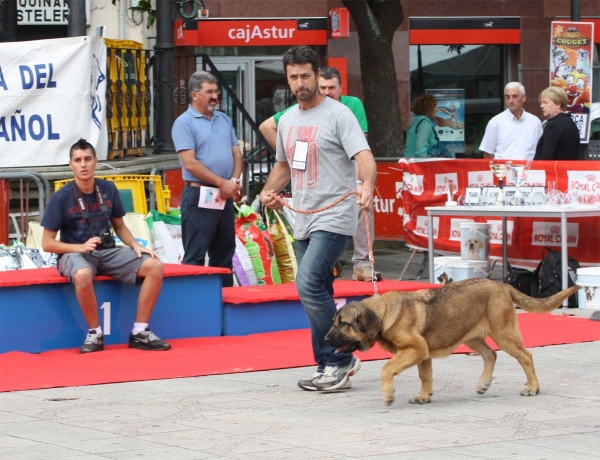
537, 305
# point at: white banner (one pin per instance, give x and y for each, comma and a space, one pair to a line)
52, 93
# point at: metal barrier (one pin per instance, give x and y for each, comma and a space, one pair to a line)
20, 219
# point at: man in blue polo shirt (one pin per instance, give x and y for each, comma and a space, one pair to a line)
211, 163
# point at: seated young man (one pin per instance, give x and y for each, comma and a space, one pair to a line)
84, 211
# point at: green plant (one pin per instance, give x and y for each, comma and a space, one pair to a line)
144, 6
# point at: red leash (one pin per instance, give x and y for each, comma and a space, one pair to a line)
329, 206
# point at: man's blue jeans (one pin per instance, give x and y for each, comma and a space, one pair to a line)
316, 257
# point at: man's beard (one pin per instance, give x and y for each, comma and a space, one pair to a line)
306, 95
211, 108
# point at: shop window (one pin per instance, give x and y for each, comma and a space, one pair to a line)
468, 83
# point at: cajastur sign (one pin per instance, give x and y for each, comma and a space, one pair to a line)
251, 32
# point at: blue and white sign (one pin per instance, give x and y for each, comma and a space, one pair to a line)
52, 93
450, 117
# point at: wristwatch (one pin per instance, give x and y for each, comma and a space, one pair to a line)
235, 180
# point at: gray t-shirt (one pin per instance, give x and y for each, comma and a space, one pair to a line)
334, 137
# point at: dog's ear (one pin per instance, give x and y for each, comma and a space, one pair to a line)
480, 244
368, 323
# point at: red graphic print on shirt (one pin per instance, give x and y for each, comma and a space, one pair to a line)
308, 178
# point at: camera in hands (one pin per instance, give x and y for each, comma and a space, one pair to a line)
107, 241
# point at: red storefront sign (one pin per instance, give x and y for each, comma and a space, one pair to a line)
340, 23
465, 30
251, 32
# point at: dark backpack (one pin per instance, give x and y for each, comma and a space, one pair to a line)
547, 278
520, 279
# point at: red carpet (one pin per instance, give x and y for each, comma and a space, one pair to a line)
226, 355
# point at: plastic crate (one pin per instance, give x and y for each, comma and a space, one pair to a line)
133, 188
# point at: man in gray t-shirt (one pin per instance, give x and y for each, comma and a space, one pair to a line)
317, 142
334, 137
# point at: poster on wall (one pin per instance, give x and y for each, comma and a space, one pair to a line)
571, 68
450, 117
52, 93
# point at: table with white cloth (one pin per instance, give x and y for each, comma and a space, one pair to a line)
564, 213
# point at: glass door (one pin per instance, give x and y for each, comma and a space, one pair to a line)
236, 73
272, 93
259, 83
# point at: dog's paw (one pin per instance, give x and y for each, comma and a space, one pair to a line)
482, 387
530, 391
418, 399
388, 397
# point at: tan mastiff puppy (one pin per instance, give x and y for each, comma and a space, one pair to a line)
430, 323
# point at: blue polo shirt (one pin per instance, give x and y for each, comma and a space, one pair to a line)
212, 141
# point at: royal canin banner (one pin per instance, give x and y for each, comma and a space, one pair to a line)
52, 93
251, 32
423, 183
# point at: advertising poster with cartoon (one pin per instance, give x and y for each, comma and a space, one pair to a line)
571, 69
450, 117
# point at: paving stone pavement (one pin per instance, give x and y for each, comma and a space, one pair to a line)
263, 415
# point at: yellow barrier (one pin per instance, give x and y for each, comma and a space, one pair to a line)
126, 69
132, 189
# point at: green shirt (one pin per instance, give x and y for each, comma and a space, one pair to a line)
422, 140
353, 103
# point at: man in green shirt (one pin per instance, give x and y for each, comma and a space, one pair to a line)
330, 85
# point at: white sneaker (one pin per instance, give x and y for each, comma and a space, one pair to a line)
335, 377
309, 384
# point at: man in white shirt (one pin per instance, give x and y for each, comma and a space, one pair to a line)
513, 134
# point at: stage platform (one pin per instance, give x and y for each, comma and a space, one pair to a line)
39, 310
254, 309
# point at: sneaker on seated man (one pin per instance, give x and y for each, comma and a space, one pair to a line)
84, 212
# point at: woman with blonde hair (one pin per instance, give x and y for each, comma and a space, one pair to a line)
421, 139
560, 139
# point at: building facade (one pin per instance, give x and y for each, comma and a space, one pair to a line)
466, 50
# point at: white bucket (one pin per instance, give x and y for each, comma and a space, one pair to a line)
589, 296
474, 241
457, 269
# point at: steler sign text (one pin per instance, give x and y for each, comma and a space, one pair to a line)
251, 32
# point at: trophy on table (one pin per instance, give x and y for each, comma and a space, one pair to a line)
518, 172
500, 171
